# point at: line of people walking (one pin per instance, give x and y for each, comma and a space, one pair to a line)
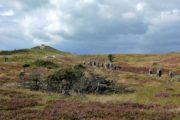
111, 66
159, 73
103, 65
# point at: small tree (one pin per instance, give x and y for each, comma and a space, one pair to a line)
111, 58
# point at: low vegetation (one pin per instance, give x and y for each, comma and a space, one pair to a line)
73, 79
45, 63
29, 90
72, 110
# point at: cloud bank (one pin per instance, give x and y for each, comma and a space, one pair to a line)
91, 26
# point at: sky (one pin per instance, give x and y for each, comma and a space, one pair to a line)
91, 26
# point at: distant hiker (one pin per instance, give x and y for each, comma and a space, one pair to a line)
150, 72
159, 72
5, 59
119, 67
102, 65
170, 74
115, 67
95, 64
108, 66
112, 66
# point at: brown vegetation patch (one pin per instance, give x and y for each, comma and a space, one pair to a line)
172, 60
98, 111
162, 95
166, 95
26, 114
4, 79
14, 94
16, 103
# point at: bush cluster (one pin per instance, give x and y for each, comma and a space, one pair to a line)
93, 84
73, 79
34, 82
63, 80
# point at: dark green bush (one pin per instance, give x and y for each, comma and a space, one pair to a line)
98, 84
34, 81
44, 63
79, 67
64, 79
94, 84
73, 79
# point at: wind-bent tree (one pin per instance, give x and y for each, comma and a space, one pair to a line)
111, 58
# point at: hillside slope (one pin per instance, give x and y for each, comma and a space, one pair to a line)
153, 97
37, 49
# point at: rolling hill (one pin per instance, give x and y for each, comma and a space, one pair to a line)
37, 49
154, 98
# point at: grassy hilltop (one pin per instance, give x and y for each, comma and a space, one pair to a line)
153, 98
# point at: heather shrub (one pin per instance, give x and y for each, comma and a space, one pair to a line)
93, 84
34, 81
44, 63
99, 85
62, 81
73, 79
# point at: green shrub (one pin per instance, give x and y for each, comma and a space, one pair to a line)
71, 79
44, 63
93, 84
64, 79
74, 79
79, 67
98, 84
34, 81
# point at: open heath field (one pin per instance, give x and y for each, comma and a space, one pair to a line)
47, 84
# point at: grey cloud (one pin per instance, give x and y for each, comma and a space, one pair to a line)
92, 26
